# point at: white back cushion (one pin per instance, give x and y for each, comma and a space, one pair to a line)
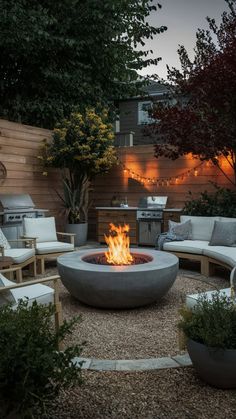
3, 241
202, 227
44, 229
227, 219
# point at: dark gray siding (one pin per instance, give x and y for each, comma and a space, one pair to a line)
129, 121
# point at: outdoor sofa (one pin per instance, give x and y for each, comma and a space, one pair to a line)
203, 247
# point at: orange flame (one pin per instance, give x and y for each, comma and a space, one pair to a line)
118, 246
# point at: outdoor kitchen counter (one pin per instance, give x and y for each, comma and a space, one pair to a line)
117, 208
116, 215
128, 215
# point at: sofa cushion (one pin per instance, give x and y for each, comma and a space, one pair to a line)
223, 234
3, 241
6, 297
42, 293
222, 254
44, 229
187, 246
180, 231
53, 247
20, 255
192, 299
202, 227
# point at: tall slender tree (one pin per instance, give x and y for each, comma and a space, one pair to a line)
203, 120
56, 56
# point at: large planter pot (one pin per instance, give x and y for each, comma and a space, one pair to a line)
81, 232
216, 366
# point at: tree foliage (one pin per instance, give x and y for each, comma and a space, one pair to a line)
203, 120
82, 146
67, 54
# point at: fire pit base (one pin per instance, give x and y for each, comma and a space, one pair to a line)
126, 286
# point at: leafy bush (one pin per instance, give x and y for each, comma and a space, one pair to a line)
32, 370
212, 323
222, 202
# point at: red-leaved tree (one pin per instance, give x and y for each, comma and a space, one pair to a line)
203, 119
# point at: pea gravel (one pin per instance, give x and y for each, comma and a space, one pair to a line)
146, 332
141, 333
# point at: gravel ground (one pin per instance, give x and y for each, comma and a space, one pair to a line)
145, 332
172, 394
141, 333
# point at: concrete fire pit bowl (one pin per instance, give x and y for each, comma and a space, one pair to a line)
126, 286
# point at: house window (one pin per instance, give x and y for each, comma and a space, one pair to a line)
143, 112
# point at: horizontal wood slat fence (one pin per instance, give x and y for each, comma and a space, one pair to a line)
19, 148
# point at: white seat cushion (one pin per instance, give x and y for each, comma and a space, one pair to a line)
191, 299
202, 227
222, 254
187, 246
39, 292
53, 247
44, 229
20, 255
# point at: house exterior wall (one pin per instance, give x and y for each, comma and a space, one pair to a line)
129, 119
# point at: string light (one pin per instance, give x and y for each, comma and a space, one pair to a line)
161, 181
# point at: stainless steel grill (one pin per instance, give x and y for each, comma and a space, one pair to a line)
150, 218
13, 209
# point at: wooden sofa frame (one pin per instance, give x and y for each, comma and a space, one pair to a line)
207, 263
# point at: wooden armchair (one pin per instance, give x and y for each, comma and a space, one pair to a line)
34, 290
19, 257
47, 245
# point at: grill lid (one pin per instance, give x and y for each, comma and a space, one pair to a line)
15, 202
155, 202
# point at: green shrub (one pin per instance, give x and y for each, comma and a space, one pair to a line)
212, 323
32, 370
221, 203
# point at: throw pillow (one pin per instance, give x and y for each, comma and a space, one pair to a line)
223, 234
180, 231
6, 297
3, 241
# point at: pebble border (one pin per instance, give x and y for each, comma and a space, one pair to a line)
178, 361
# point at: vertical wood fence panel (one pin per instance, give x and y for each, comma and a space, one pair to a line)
19, 148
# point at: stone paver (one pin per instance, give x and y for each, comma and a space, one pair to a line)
85, 362
183, 360
103, 365
146, 364
134, 364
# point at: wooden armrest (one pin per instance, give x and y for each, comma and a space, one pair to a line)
28, 238
53, 278
22, 240
66, 234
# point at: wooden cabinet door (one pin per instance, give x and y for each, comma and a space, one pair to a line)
119, 217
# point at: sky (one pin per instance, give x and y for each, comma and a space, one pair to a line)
182, 18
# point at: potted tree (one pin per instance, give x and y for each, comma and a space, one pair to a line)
81, 147
210, 329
